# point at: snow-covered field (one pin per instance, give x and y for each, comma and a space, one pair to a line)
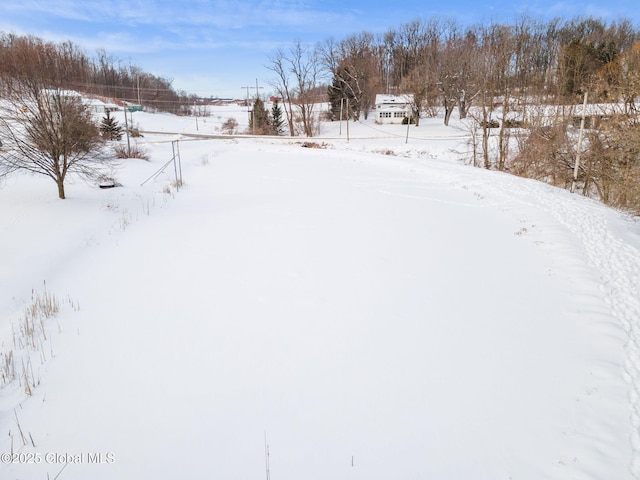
365, 315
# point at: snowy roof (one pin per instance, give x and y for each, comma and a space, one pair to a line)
389, 100
64, 93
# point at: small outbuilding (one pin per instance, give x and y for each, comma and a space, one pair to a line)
95, 105
393, 109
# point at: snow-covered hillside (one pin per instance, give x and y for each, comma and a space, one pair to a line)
371, 316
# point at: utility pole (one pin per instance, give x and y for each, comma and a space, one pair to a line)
408, 123
250, 113
577, 165
195, 114
126, 128
254, 113
247, 89
348, 120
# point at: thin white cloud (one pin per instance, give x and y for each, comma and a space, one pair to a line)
197, 24
62, 9
218, 13
572, 9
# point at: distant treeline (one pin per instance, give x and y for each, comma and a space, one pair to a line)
67, 66
520, 85
445, 64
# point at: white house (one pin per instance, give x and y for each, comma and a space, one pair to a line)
96, 105
393, 108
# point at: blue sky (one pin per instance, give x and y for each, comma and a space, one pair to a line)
216, 47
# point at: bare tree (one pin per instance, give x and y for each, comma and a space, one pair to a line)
352, 62
455, 65
305, 69
422, 81
546, 153
619, 80
405, 47
611, 168
48, 131
494, 79
282, 85
297, 83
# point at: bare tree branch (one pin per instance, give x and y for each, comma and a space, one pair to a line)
50, 132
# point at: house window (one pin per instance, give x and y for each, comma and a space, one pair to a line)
399, 114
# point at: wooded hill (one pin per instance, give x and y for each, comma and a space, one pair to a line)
444, 64
66, 66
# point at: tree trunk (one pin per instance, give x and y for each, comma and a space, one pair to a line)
60, 183
462, 108
503, 143
485, 147
448, 110
502, 147
290, 118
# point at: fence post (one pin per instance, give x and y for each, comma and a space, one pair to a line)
179, 160
175, 167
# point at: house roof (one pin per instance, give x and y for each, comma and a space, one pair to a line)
390, 100
64, 93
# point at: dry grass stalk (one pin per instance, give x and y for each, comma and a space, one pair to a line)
30, 337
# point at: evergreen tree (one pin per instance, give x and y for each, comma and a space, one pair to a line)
277, 120
336, 96
259, 122
110, 128
342, 88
